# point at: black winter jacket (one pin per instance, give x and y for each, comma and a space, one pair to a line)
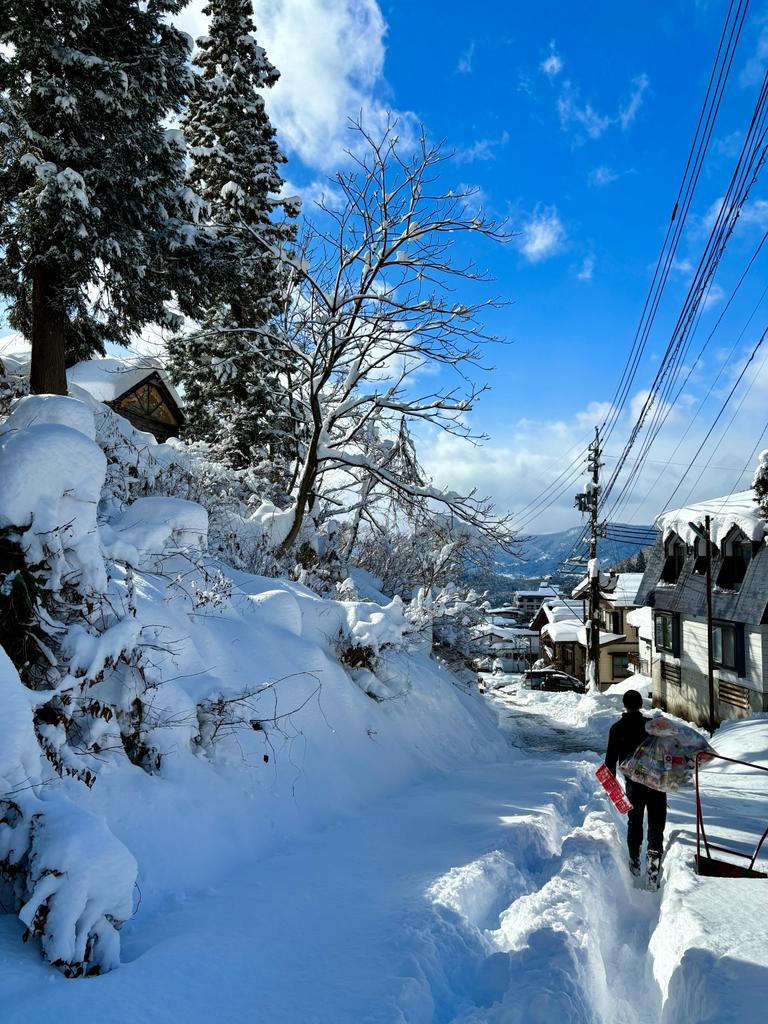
625, 737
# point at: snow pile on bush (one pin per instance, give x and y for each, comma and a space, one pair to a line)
81, 881
52, 473
71, 879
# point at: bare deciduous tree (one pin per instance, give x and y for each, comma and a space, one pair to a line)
372, 319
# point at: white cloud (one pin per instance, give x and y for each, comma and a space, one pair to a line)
573, 113
683, 266
483, 149
602, 176
464, 66
581, 116
552, 65
587, 270
524, 456
542, 235
628, 112
754, 213
330, 54
714, 295
753, 71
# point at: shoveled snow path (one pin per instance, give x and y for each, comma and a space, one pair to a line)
497, 893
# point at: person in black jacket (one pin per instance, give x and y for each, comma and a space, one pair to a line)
624, 738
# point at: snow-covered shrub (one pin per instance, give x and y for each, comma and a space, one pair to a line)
52, 476
80, 882
68, 877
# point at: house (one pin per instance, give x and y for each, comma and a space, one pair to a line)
564, 633
528, 602
557, 622
504, 614
137, 387
619, 640
674, 587
511, 648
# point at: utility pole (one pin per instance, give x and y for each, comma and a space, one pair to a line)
588, 502
710, 646
706, 536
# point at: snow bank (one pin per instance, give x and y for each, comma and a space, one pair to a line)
61, 409
155, 526
710, 947
19, 752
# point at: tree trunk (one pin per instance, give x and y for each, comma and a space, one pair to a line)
306, 492
48, 374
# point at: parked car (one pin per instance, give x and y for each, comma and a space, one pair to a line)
551, 680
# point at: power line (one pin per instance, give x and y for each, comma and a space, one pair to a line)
717, 81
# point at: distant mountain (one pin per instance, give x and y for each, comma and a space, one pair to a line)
542, 554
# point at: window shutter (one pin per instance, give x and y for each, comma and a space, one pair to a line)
676, 634
740, 649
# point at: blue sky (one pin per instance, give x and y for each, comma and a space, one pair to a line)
575, 122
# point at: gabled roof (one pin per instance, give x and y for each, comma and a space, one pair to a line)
110, 378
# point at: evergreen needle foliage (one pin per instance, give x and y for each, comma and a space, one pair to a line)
233, 375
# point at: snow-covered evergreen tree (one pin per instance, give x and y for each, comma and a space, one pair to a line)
96, 221
234, 378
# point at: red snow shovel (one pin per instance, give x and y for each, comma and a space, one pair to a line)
706, 864
612, 787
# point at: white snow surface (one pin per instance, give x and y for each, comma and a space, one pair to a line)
61, 409
370, 845
155, 526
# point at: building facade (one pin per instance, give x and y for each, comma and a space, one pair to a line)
674, 587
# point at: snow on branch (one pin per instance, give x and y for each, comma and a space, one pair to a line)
380, 302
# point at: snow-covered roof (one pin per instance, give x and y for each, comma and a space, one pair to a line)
104, 379
642, 620
621, 590
542, 592
559, 610
737, 509
109, 378
564, 632
624, 593
605, 638
15, 353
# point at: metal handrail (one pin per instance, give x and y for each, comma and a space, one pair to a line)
706, 755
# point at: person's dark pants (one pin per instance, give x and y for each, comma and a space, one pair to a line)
642, 798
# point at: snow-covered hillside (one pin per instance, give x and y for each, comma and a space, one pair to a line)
184, 716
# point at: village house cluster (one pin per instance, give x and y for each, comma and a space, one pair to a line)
656, 623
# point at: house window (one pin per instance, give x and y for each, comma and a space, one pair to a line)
724, 646
675, 551
737, 554
619, 666
667, 632
728, 646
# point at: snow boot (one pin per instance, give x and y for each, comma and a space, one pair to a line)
634, 866
653, 869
